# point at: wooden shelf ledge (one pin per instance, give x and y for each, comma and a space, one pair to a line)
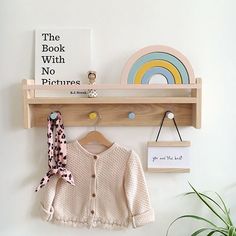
113, 100
29, 85
113, 110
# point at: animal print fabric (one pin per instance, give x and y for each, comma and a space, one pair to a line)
57, 153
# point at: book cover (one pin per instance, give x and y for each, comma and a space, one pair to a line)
62, 57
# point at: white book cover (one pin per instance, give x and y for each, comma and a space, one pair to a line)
62, 57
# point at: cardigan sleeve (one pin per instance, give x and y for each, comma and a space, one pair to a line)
48, 194
137, 193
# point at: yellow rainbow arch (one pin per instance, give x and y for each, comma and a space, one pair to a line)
158, 63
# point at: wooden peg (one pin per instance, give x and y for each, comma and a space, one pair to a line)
170, 115
93, 115
131, 115
53, 115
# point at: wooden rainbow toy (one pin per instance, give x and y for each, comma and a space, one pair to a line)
158, 64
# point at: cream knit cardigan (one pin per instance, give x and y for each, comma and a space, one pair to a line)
110, 190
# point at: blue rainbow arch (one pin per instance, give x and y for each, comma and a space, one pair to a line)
155, 71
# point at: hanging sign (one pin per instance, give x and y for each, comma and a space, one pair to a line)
169, 156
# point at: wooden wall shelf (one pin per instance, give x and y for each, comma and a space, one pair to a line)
113, 110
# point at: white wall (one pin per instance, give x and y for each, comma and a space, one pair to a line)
203, 30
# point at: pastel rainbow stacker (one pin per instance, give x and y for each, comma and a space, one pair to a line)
158, 64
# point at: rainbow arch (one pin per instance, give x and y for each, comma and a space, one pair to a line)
162, 61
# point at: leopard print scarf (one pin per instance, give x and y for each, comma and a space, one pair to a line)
56, 151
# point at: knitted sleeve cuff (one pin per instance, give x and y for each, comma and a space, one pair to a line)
144, 218
46, 214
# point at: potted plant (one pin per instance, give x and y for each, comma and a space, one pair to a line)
218, 208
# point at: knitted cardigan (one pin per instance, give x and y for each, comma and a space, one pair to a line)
110, 190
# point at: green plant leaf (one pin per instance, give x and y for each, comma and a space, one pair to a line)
210, 233
231, 231
225, 208
206, 203
222, 231
190, 216
216, 231
209, 198
200, 231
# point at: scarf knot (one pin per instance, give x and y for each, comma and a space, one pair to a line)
57, 153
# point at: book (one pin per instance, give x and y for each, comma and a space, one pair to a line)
62, 57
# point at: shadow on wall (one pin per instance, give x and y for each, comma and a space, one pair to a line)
13, 94
12, 103
35, 145
29, 157
39, 166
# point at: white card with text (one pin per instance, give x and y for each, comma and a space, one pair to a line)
62, 57
169, 156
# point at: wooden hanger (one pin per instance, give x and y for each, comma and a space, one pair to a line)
95, 136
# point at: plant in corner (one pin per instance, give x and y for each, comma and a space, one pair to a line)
218, 208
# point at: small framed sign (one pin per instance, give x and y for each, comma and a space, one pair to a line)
168, 156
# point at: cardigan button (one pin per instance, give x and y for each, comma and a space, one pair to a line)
93, 195
92, 212
95, 157
93, 176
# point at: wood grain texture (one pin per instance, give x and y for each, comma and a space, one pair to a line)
197, 107
110, 86
169, 144
95, 136
113, 114
113, 100
169, 170
27, 95
114, 110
